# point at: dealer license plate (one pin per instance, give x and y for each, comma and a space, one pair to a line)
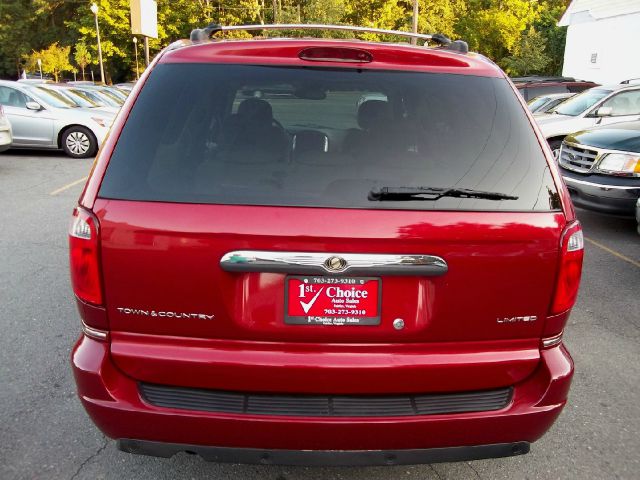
332, 300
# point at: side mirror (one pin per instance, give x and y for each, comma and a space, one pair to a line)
33, 106
604, 112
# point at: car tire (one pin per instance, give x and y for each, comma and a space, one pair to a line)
555, 148
79, 142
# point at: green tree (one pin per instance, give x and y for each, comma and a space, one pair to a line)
82, 56
549, 13
15, 36
55, 60
438, 16
529, 56
494, 27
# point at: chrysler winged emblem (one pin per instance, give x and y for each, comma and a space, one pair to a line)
335, 264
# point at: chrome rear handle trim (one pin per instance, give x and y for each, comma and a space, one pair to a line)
314, 263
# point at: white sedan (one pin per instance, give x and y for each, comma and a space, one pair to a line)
5, 131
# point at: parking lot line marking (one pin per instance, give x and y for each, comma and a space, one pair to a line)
68, 185
613, 252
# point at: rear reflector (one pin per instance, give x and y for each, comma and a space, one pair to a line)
336, 54
570, 271
83, 256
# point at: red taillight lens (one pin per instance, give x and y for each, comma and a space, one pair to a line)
84, 257
568, 281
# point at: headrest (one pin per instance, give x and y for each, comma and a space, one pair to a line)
255, 110
374, 113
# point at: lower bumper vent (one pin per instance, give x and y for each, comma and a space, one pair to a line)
323, 405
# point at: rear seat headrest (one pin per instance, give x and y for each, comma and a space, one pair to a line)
255, 110
374, 113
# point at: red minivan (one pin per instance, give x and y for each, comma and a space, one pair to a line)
316, 251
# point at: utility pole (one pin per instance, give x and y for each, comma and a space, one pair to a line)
414, 28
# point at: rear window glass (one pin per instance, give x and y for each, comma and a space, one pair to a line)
259, 135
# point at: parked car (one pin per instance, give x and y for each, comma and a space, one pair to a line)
81, 98
546, 103
534, 86
298, 279
117, 92
597, 106
126, 87
35, 81
49, 120
100, 95
601, 167
6, 136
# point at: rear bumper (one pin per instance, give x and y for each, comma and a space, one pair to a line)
5, 139
113, 401
342, 458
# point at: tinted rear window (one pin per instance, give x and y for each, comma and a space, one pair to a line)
259, 135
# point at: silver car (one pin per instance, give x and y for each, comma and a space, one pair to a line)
5, 131
81, 98
546, 103
49, 120
101, 94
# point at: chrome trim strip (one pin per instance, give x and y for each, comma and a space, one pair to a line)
94, 332
600, 151
314, 263
600, 185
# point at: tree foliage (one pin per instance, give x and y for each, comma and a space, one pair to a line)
82, 57
529, 56
55, 59
497, 28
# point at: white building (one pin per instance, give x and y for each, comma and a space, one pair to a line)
603, 40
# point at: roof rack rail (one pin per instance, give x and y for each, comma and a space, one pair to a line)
541, 78
204, 34
630, 81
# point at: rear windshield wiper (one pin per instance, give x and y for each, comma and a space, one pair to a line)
400, 194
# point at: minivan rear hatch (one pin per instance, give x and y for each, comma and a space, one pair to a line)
241, 212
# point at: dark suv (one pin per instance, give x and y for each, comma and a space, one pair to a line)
601, 167
312, 251
534, 86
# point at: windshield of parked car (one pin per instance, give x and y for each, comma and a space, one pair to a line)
537, 103
117, 93
113, 97
321, 137
90, 96
581, 102
53, 98
80, 98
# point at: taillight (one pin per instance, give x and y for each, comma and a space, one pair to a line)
86, 278
568, 281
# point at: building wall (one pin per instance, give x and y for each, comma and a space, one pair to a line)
603, 51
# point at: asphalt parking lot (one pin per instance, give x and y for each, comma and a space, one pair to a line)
45, 433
